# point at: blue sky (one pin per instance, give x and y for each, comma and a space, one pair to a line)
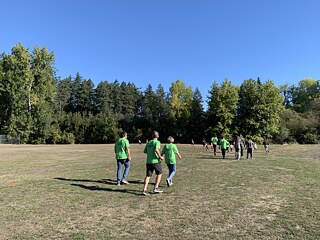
161, 41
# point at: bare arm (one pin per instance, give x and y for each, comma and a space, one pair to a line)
179, 155
159, 153
129, 154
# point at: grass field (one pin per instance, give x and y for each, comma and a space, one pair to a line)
69, 192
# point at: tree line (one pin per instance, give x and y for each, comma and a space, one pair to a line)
39, 107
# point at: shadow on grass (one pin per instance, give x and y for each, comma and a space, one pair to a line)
96, 188
104, 181
228, 158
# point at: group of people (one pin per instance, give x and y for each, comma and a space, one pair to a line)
239, 144
168, 153
153, 162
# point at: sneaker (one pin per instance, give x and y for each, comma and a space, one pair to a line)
158, 190
124, 182
145, 193
171, 184
168, 183
118, 184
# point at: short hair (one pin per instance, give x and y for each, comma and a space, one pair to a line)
123, 134
170, 139
155, 134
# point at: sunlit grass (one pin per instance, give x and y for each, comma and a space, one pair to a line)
69, 192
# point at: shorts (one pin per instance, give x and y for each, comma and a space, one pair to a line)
153, 167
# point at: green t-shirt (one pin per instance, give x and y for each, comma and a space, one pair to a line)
223, 144
150, 150
214, 140
169, 150
120, 148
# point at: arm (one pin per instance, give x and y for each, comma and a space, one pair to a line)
145, 149
179, 155
129, 154
159, 153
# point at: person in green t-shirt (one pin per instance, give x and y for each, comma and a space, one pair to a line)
169, 151
152, 149
123, 157
214, 143
223, 143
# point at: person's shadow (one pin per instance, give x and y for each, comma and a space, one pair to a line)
103, 181
97, 188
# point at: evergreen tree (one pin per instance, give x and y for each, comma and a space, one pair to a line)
103, 98
64, 93
196, 121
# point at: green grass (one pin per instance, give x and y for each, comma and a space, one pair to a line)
69, 192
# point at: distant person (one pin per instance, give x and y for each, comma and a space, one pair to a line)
192, 142
170, 151
152, 149
237, 147
205, 145
231, 146
123, 157
139, 141
242, 146
214, 142
228, 146
223, 144
266, 145
249, 145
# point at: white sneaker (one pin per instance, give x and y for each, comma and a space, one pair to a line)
158, 190
168, 183
124, 182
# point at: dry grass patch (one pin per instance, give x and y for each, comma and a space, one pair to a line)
69, 192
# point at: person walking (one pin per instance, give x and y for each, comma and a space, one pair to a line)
214, 142
152, 149
223, 143
242, 146
170, 151
205, 144
123, 157
249, 145
266, 145
237, 147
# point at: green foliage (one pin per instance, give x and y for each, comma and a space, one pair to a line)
196, 121
180, 100
39, 108
222, 107
302, 96
259, 109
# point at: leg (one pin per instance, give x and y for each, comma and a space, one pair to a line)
158, 179
126, 170
238, 155
146, 182
158, 170
172, 171
223, 153
119, 170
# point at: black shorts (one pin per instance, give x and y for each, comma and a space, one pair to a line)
153, 167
